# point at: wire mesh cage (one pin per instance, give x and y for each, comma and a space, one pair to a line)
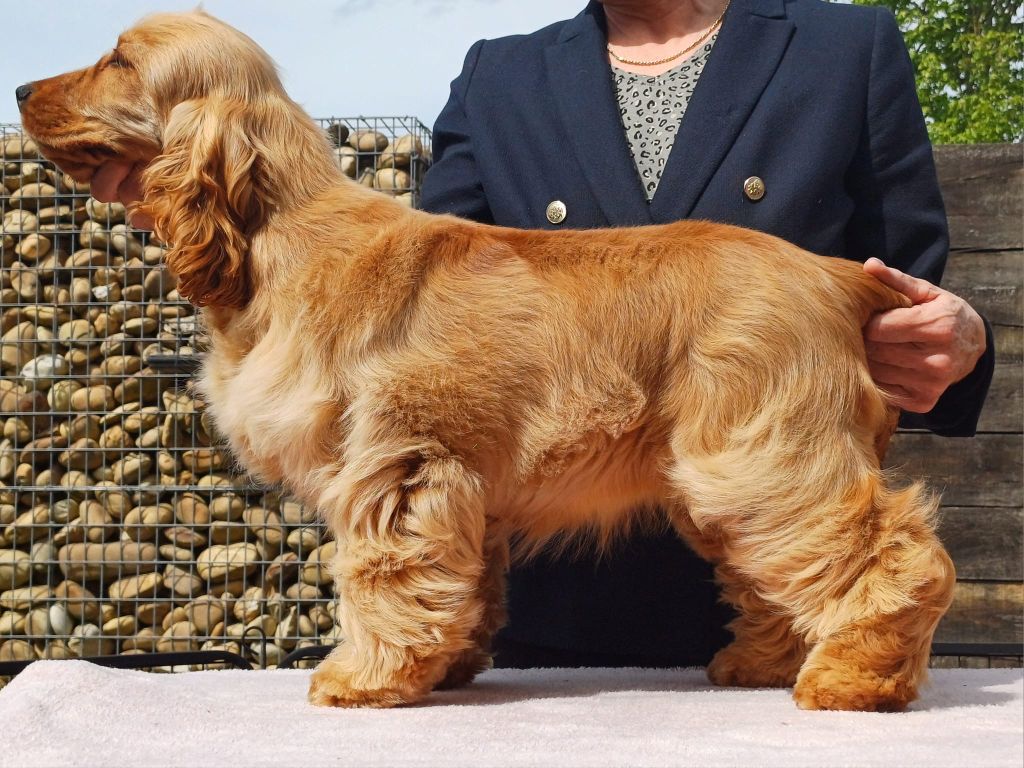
125, 528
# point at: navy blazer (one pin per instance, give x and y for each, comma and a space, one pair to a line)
818, 100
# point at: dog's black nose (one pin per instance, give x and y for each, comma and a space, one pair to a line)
22, 92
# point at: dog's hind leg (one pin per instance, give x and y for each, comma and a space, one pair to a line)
766, 652
491, 590
874, 641
856, 568
409, 522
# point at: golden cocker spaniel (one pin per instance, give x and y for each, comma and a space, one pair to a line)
439, 389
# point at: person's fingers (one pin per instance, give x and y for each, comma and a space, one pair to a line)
908, 389
106, 182
937, 323
929, 365
896, 393
897, 326
900, 355
914, 288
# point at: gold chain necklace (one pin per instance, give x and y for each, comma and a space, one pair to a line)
715, 25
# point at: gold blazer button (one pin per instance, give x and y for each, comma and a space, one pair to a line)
753, 188
556, 212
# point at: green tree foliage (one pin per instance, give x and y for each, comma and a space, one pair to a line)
968, 60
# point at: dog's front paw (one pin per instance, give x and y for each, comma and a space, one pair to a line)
732, 666
340, 681
327, 688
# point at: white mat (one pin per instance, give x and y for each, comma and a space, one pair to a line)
76, 713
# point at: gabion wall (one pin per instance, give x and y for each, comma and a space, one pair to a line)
124, 528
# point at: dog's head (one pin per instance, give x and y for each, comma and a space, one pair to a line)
192, 99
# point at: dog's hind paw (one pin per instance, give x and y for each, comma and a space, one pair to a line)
731, 666
853, 690
464, 669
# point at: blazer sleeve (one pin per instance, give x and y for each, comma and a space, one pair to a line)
453, 184
899, 215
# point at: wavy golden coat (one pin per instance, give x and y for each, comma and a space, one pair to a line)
441, 389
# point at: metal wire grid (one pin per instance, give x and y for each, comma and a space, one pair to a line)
388, 153
124, 528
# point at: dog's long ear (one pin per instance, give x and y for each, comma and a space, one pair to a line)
204, 195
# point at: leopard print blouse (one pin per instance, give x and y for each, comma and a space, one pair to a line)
652, 107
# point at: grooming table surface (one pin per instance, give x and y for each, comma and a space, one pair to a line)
76, 713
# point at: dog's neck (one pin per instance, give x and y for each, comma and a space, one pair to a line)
307, 199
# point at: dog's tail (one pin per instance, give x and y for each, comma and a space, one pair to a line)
867, 294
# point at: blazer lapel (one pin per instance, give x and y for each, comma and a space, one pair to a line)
750, 44
577, 69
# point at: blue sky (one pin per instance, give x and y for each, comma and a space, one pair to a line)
337, 57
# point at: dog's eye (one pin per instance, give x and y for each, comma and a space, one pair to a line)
118, 60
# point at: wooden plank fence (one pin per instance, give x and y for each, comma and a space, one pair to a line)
982, 478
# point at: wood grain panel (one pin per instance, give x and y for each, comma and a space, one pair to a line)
984, 542
984, 613
982, 471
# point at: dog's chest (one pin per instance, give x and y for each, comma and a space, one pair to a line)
278, 422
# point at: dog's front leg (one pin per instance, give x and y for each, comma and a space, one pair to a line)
409, 522
492, 593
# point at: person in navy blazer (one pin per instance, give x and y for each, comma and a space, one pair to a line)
817, 100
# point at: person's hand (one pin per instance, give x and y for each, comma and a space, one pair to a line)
119, 181
916, 353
